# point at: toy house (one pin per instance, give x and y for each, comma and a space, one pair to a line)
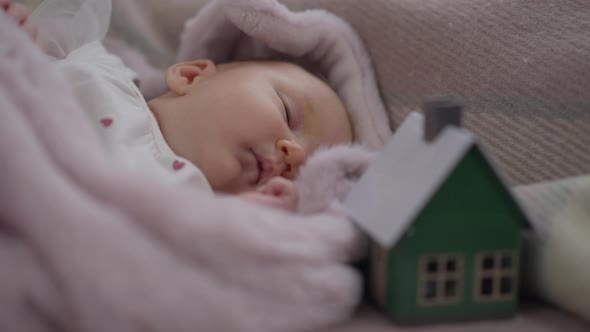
445, 228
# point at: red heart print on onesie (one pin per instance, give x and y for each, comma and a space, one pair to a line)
106, 122
177, 164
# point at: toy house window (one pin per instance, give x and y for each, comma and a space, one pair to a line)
440, 279
495, 276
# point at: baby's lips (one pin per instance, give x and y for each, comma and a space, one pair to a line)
266, 168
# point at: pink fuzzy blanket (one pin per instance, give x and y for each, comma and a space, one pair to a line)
87, 246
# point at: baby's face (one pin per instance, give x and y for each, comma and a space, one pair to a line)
246, 122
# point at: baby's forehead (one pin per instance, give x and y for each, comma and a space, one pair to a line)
289, 73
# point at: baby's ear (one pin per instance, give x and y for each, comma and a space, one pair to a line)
181, 76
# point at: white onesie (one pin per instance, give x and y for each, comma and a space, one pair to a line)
72, 31
104, 87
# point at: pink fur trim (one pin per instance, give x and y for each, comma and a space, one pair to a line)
228, 30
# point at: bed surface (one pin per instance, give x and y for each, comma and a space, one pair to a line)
531, 317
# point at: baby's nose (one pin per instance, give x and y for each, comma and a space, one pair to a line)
294, 156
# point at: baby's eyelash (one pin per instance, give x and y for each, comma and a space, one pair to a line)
287, 112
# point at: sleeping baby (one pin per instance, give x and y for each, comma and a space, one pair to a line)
242, 127
244, 124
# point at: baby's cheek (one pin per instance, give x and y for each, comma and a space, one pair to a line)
222, 171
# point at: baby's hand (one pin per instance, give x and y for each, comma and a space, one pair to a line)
20, 15
278, 192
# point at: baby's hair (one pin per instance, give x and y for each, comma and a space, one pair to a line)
305, 65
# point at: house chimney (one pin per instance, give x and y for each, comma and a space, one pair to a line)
440, 112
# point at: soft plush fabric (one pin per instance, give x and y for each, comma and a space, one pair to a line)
91, 246
328, 177
557, 255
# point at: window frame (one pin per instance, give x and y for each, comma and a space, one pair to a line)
440, 278
496, 274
